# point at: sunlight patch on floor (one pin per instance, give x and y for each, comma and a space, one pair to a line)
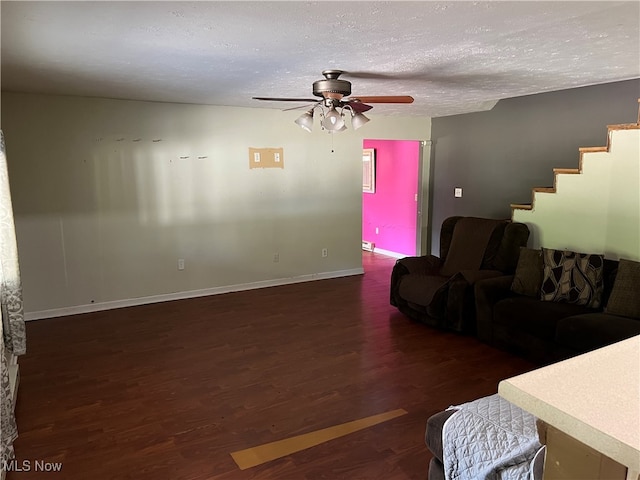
254, 456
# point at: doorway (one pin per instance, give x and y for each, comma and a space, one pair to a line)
391, 213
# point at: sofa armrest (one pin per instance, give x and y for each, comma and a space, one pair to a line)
433, 434
487, 293
426, 265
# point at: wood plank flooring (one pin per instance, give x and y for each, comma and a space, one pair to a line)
170, 390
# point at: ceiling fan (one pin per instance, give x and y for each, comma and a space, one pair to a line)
334, 100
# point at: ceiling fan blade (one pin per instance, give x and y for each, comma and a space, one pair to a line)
300, 107
372, 75
369, 75
384, 99
358, 106
272, 99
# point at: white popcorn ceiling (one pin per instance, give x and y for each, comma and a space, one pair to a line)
452, 57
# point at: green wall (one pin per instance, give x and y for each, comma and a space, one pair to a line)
105, 205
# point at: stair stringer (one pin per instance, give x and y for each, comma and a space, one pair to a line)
594, 208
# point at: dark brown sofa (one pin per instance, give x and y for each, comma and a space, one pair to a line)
517, 313
438, 291
545, 331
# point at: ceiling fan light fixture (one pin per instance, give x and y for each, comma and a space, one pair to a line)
335, 94
358, 120
333, 121
305, 121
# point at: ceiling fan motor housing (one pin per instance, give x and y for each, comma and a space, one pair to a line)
332, 86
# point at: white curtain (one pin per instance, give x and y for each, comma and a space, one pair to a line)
10, 284
13, 328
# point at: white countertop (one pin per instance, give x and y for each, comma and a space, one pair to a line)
594, 398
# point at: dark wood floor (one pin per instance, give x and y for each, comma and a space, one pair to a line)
168, 391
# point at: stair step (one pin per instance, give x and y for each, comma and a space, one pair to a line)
593, 149
566, 170
625, 126
574, 171
522, 206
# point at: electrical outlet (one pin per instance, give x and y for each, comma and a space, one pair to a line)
181, 264
377, 230
276, 257
457, 192
325, 252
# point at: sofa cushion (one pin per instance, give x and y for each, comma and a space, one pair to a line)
529, 272
515, 235
609, 276
586, 332
625, 299
528, 314
470, 239
493, 247
572, 277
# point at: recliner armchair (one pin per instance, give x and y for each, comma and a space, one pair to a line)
438, 291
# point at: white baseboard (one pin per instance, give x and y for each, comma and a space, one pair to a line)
389, 253
97, 307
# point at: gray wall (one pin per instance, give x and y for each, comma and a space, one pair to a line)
498, 156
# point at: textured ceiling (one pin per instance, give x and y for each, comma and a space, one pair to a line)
452, 57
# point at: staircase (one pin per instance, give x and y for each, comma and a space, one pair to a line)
594, 208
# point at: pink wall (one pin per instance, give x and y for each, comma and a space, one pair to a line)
393, 208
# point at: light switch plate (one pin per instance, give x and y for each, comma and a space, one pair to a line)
457, 192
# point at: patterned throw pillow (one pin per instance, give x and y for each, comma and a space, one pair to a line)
572, 277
